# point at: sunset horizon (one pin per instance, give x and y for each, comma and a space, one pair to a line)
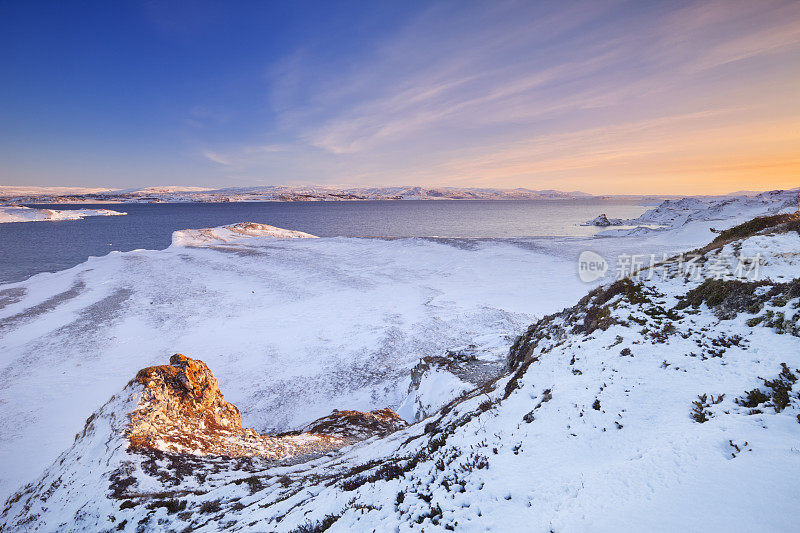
601, 97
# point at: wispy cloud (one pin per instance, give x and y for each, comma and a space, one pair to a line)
216, 158
524, 94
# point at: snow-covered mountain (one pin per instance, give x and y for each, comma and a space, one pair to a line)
667, 400
7, 191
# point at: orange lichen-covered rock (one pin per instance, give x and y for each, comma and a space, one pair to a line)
187, 387
180, 409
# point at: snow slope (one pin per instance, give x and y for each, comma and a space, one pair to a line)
662, 404
436, 389
28, 214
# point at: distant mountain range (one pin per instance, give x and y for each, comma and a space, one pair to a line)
274, 193
286, 193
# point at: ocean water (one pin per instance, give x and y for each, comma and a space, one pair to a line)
33, 247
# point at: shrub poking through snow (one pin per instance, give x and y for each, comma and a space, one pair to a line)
699, 412
751, 227
318, 527
752, 398
778, 391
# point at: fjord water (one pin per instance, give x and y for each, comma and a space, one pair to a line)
32, 247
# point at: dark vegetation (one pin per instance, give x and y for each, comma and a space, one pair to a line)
786, 221
700, 412
591, 313
728, 298
776, 393
318, 527
172, 506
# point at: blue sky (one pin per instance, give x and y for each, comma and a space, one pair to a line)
599, 96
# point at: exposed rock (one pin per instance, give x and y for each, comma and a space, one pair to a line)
181, 410
438, 379
463, 363
603, 221
356, 425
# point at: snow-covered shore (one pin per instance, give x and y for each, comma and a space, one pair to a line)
674, 214
27, 214
300, 324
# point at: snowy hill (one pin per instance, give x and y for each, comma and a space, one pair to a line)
671, 214
668, 400
233, 233
174, 412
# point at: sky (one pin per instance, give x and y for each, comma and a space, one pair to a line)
609, 97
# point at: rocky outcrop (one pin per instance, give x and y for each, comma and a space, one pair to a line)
169, 434
181, 410
184, 388
356, 425
464, 363
603, 221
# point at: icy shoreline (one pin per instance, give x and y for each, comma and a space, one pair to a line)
14, 213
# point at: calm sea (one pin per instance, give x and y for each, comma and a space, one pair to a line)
32, 247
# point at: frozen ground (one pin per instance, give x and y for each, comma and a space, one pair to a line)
292, 328
28, 214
